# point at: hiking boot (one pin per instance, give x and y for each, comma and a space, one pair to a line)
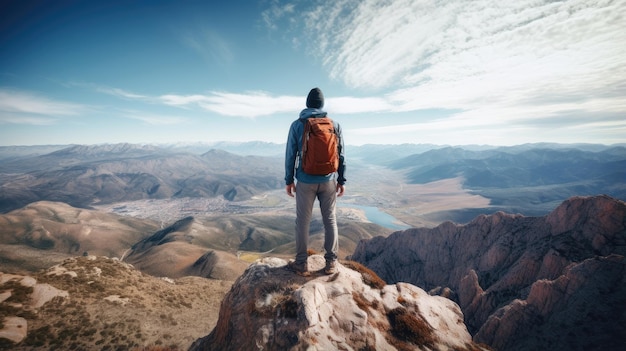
300, 269
331, 267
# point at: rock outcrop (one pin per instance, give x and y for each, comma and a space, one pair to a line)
556, 282
95, 303
272, 308
21, 293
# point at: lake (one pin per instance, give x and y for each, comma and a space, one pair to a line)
375, 215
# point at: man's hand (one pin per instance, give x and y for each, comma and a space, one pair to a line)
291, 189
340, 189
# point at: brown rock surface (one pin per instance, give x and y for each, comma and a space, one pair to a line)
95, 303
556, 282
272, 308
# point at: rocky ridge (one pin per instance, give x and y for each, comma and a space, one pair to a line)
272, 308
555, 282
86, 175
99, 303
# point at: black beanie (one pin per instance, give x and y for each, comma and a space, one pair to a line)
315, 98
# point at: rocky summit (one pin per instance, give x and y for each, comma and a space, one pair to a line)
272, 308
556, 282
100, 303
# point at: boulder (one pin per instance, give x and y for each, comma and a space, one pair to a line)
272, 308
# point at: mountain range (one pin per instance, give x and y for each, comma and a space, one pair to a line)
553, 282
527, 242
501, 282
528, 180
531, 179
86, 175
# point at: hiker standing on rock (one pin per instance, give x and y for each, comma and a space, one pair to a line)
314, 153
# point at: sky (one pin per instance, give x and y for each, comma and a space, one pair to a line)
446, 72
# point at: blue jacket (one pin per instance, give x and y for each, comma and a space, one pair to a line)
294, 150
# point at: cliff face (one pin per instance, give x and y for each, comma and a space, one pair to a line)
555, 282
271, 308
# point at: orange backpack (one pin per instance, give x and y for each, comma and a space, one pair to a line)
320, 155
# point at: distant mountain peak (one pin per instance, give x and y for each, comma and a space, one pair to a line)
107, 149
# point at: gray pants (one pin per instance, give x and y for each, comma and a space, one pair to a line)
306, 194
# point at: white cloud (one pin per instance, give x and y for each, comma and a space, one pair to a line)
181, 100
26, 108
581, 121
154, 119
249, 105
510, 68
503, 63
120, 93
507, 66
381, 44
13, 101
256, 104
348, 105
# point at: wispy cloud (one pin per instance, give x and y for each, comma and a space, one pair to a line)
253, 104
567, 123
116, 92
373, 44
257, 104
121, 93
182, 100
21, 107
154, 119
26, 102
349, 105
275, 13
248, 105
210, 44
498, 61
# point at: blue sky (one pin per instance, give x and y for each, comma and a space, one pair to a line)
443, 72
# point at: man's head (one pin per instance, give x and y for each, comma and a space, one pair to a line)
315, 99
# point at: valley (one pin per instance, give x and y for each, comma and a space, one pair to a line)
194, 215
236, 194
410, 204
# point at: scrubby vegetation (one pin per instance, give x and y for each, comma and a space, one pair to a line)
410, 327
369, 277
19, 296
112, 306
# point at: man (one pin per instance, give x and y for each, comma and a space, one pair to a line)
325, 188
